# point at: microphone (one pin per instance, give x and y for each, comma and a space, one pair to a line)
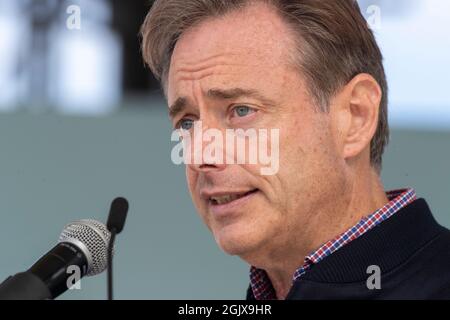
117, 215
82, 244
115, 224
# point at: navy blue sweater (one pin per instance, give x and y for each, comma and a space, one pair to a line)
411, 250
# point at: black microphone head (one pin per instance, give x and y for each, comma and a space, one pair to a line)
117, 215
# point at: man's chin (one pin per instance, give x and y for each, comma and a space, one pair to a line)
236, 241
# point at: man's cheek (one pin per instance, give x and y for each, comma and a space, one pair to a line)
191, 181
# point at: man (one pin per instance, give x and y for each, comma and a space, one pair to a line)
321, 226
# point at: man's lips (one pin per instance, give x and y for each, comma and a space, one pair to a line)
228, 197
224, 203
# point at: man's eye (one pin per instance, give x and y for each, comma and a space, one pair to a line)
186, 124
242, 111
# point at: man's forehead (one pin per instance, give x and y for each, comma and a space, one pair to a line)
251, 33
235, 50
223, 73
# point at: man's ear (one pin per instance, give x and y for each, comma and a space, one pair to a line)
357, 121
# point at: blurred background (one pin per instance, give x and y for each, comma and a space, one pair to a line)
83, 121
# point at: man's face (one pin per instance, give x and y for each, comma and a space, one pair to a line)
250, 50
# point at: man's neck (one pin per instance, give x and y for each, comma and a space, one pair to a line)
365, 198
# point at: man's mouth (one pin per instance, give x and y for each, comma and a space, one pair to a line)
227, 198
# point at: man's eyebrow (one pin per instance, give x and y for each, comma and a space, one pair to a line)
221, 94
235, 93
177, 107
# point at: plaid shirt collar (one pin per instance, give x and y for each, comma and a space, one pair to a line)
259, 281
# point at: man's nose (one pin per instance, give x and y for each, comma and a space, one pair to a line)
208, 147
205, 167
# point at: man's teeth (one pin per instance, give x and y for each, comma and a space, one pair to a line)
227, 198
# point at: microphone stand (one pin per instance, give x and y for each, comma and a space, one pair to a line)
110, 264
116, 221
